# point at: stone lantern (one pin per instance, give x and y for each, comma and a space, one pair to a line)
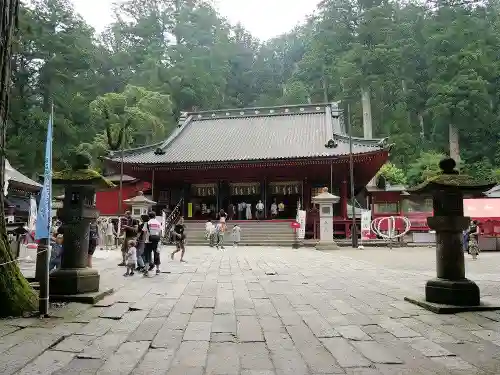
450, 291
74, 281
325, 200
140, 205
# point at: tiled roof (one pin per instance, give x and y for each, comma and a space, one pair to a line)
116, 178
494, 192
16, 176
290, 132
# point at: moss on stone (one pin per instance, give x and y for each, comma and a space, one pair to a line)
17, 297
84, 176
461, 181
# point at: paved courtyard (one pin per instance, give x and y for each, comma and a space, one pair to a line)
264, 311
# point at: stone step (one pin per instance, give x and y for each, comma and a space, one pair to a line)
252, 243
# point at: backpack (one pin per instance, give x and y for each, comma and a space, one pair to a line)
153, 237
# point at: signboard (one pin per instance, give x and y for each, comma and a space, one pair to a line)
190, 210
366, 220
163, 196
301, 219
285, 188
252, 188
207, 190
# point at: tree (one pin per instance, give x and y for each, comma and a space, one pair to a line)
134, 117
392, 174
16, 295
424, 167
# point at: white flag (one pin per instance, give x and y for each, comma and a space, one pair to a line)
32, 218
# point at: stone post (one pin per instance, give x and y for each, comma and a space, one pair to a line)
326, 201
450, 291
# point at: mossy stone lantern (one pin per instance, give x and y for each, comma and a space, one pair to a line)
80, 184
450, 291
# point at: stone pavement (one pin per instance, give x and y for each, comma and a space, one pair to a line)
264, 311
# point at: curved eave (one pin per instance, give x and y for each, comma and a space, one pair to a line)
309, 160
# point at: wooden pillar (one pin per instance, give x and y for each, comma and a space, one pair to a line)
306, 194
343, 199
263, 196
153, 184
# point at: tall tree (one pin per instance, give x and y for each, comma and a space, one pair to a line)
16, 296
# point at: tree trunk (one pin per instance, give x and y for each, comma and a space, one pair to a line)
454, 143
367, 113
16, 295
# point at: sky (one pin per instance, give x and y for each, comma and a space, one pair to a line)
264, 19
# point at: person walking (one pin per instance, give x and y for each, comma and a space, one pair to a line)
110, 234
221, 228
180, 239
236, 235
129, 227
153, 235
93, 241
474, 233
141, 243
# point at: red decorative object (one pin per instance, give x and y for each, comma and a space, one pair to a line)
295, 225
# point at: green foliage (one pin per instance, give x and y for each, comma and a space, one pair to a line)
422, 64
392, 174
495, 175
425, 166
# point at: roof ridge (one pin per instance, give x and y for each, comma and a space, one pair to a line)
261, 108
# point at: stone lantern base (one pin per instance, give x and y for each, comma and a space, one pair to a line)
76, 285
452, 292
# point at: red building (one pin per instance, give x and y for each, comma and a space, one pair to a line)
107, 201
277, 154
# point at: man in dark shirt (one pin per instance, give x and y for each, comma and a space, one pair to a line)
180, 239
129, 226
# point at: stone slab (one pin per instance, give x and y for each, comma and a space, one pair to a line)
147, 330
376, 352
81, 366
155, 362
344, 353
103, 347
450, 309
124, 360
18, 356
47, 363
115, 312
88, 298
197, 331
75, 343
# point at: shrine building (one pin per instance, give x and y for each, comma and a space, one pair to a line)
280, 154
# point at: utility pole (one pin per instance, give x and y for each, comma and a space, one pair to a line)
354, 231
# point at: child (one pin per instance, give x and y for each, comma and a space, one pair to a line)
220, 236
131, 258
56, 253
236, 235
208, 229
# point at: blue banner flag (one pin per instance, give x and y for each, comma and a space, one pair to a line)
44, 216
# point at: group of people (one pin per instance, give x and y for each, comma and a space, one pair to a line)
215, 233
140, 248
246, 211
